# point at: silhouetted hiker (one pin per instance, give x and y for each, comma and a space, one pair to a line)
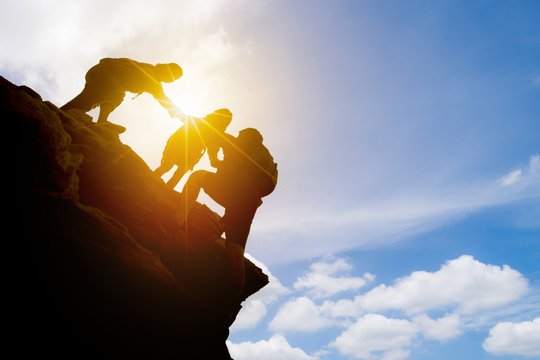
108, 81
187, 145
245, 175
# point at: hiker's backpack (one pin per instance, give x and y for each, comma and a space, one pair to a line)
262, 171
185, 147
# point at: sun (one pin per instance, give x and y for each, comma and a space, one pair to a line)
191, 94
191, 105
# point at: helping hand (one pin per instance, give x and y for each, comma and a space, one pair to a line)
176, 112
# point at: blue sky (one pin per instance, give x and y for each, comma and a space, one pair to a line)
407, 223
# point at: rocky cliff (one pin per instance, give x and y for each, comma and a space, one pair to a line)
104, 269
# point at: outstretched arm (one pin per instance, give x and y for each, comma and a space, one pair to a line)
174, 111
212, 151
220, 140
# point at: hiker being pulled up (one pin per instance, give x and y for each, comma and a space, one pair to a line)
188, 144
245, 175
107, 83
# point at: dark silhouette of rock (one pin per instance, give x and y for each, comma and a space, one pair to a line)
104, 268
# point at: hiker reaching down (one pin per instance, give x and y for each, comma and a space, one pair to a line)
107, 83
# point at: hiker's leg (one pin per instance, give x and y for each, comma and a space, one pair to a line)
112, 99
168, 160
166, 164
90, 97
194, 184
73, 103
83, 101
163, 168
177, 176
104, 111
190, 192
237, 221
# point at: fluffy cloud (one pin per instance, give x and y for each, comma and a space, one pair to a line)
511, 178
255, 307
214, 49
464, 287
250, 315
508, 338
300, 314
463, 283
320, 283
276, 347
439, 329
375, 335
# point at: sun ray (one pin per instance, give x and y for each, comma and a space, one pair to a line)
187, 123
144, 72
243, 95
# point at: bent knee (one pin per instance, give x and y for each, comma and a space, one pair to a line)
199, 176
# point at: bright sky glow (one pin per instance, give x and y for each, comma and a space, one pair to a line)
407, 135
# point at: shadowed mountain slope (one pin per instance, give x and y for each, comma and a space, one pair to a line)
104, 267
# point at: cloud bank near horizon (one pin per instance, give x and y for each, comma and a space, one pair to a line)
388, 321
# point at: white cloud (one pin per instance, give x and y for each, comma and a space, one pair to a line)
330, 265
276, 347
274, 289
212, 50
50, 45
511, 178
320, 283
439, 329
300, 314
528, 173
395, 354
466, 287
469, 290
474, 295
255, 307
73, 36
250, 315
508, 338
382, 221
463, 283
372, 334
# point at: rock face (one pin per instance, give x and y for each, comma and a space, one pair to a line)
104, 267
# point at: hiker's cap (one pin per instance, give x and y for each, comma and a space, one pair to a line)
220, 118
169, 72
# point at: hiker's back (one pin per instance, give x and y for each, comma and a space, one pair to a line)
185, 146
251, 163
261, 169
131, 75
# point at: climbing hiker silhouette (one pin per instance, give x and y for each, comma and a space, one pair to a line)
107, 83
188, 144
246, 174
